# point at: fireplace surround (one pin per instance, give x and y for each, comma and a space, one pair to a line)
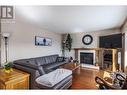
86, 53
87, 58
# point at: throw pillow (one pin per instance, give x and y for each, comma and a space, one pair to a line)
59, 59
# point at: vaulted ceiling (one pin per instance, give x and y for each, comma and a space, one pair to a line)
73, 19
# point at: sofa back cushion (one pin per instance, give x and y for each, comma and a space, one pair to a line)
40, 61
51, 59
37, 63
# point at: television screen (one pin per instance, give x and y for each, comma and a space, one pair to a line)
110, 41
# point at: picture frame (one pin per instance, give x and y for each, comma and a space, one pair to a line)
43, 41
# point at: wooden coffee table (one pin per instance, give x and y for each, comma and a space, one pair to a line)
71, 66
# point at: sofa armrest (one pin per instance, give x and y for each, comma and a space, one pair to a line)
26, 63
30, 64
33, 74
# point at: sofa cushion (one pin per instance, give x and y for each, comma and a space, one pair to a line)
51, 59
40, 60
64, 84
53, 77
53, 65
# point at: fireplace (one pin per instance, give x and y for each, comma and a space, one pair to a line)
86, 58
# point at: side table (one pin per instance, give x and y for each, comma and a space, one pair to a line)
14, 80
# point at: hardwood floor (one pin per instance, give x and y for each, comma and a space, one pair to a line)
84, 78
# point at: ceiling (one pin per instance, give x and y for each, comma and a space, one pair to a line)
73, 19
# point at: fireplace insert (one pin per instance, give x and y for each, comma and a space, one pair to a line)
86, 58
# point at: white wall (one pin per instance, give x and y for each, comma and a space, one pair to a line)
22, 41
125, 31
77, 39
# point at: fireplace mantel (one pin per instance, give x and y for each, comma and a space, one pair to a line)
94, 49
77, 50
86, 48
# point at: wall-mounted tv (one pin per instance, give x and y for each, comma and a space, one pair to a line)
110, 41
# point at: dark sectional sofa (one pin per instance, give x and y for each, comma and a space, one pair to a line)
42, 65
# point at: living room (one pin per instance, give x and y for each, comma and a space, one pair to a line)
23, 44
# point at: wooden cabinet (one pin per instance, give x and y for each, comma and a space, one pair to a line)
15, 80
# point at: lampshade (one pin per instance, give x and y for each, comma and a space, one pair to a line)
6, 34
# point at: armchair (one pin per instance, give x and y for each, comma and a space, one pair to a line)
103, 84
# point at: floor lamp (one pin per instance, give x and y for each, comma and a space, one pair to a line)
6, 36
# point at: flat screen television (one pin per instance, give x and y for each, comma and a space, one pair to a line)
110, 41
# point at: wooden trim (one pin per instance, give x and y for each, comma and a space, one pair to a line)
76, 54
94, 48
123, 53
114, 60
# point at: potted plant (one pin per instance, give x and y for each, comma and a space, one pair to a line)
63, 48
66, 44
69, 42
8, 67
